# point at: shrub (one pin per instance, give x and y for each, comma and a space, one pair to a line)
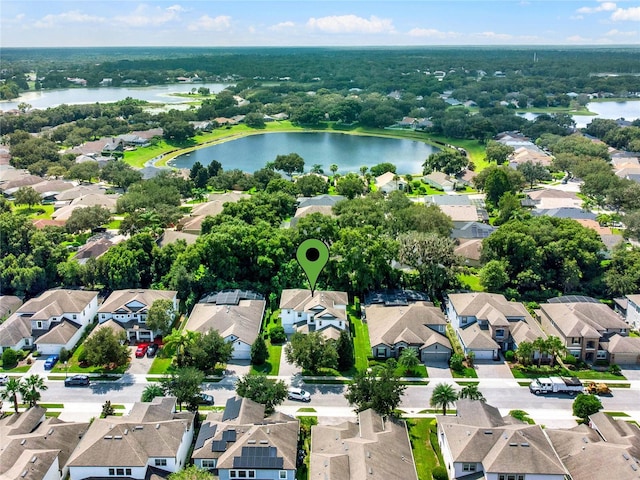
9, 358
29, 361
22, 354
456, 363
615, 369
277, 334
82, 358
601, 363
35, 354
570, 360
440, 473
64, 355
509, 355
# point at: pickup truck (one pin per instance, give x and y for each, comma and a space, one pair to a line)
571, 385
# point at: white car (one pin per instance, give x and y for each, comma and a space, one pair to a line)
4, 378
299, 394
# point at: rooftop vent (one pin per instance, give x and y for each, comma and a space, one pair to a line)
24, 473
251, 442
488, 432
157, 426
24, 440
117, 437
33, 459
524, 444
634, 467
368, 454
50, 431
370, 471
108, 437
126, 430
138, 427
625, 456
585, 440
513, 444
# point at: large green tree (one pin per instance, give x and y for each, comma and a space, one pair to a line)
261, 389
585, 405
311, 352
289, 164
161, 316
87, 218
380, 390
184, 384
27, 196
208, 351
105, 348
450, 162
351, 185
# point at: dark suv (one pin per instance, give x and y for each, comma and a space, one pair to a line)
152, 350
77, 381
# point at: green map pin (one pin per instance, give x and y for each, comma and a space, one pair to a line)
312, 255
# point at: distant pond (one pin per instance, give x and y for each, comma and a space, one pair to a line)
349, 152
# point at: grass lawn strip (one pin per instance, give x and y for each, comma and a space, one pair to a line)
361, 344
426, 454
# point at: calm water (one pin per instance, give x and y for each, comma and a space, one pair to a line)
159, 93
349, 152
611, 110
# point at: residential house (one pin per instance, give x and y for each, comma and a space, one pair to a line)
440, 181
461, 214
449, 200
112, 147
37, 448
629, 308
8, 305
548, 198
152, 440
472, 230
530, 153
582, 324
319, 200
130, 308
479, 443
193, 223
97, 246
172, 236
54, 320
235, 314
241, 443
323, 311
622, 350
563, 212
470, 251
485, 323
606, 448
420, 326
390, 182
372, 447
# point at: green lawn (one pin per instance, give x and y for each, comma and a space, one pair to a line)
361, 344
18, 369
272, 365
37, 212
534, 372
633, 333
306, 422
472, 281
424, 443
160, 366
466, 373
74, 366
420, 371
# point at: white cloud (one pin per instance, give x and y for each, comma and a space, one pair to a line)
282, 26
66, 18
624, 14
494, 35
603, 7
144, 15
577, 39
431, 33
219, 23
618, 33
351, 24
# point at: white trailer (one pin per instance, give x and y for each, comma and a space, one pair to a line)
570, 385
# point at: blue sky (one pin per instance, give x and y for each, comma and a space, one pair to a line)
29, 23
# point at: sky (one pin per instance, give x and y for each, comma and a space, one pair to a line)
214, 23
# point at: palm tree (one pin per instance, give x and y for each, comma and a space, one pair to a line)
443, 396
31, 389
524, 352
363, 170
472, 393
152, 391
334, 168
178, 341
409, 359
555, 347
540, 344
10, 392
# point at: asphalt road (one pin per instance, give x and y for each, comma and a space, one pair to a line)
553, 410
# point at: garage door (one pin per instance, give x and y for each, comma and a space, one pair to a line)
484, 354
438, 357
625, 359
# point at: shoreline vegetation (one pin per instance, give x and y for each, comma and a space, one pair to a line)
161, 155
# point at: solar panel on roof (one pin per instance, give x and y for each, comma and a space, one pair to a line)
218, 446
229, 435
573, 299
207, 431
258, 457
232, 409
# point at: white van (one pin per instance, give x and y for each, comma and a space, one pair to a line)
299, 394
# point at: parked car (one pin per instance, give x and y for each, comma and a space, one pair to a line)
299, 394
50, 362
4, 378
142, 350
205, 399
77, 381
152, 350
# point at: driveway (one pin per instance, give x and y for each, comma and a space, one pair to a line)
491, 369
438, 370
238, 368
138, 366
631, 372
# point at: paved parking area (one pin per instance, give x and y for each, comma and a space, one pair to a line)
631, 372
238, 368
491, 369
139, 366
438, 370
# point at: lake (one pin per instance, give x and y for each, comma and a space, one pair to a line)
349, 152
611, 110
159, 93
